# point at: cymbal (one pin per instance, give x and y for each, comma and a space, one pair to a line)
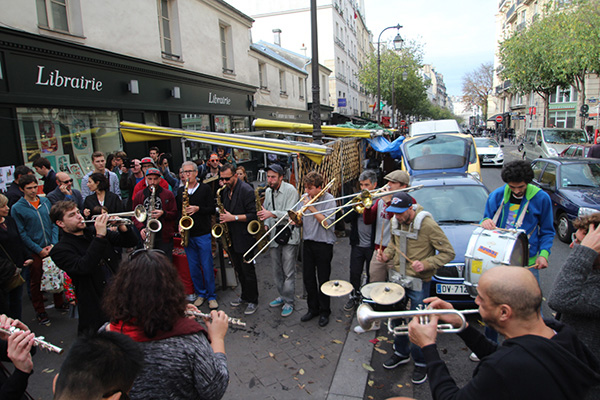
366, 289
336, 288
387, 293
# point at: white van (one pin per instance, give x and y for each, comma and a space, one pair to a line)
550, 142
436, 126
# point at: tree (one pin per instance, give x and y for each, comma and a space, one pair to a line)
477, 86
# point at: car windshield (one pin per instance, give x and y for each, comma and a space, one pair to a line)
580, 175
486, 142
437, 152
453, 204
565, 136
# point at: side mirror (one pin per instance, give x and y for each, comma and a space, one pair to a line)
547, 186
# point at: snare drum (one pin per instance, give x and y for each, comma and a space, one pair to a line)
491, 248
365, 292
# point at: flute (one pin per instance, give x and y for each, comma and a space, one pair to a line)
232, 321
37, 341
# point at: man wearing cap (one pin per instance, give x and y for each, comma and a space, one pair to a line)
147, 163
165, 210
377, 215
280, 197
100, 167
65, 191
418, 247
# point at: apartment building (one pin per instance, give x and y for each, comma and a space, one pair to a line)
436, 89
344, 42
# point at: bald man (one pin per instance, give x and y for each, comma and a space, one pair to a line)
64, 191
539, 359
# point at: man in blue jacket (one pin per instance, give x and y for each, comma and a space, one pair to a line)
39, 234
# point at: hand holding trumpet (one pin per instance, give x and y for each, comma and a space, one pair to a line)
424, 334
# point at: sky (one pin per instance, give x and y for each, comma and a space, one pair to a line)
458, 35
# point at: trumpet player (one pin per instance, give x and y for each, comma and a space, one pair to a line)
161, 207
280, 197
88, 255
240, 208
539, 359
201, 206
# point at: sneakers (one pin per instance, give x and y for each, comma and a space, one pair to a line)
199, 301
359, 329
190, 298
396, 360
251, 308
237, 302
350, 304
473, 357
43, 319
286, 310
64, 309
212, 304
276, 303
419, 375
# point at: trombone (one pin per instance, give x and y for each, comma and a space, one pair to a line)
293, 216
139, 213
366, 317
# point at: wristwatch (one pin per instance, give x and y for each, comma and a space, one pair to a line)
236, 218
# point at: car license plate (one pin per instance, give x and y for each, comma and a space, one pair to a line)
444, 288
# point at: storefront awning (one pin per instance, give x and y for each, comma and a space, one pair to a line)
328, 130
134, 132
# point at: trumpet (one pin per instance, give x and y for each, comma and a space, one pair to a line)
358, 204
139, 214
366, 317
232, 321
37, 341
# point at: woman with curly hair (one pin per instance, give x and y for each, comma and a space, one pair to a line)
146, 301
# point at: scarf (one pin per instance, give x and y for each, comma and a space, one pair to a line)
183, 326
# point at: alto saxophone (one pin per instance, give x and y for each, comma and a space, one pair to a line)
186, 222
152, 225
220, 230
257, 227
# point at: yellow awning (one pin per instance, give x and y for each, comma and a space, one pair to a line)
133, 132
328, 130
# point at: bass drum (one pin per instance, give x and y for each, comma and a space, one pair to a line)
491, 248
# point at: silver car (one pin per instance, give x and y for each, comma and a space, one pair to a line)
489, 151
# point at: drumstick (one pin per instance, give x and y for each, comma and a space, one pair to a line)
393, 246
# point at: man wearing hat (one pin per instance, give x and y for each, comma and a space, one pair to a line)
164, 210
377, 215
418, 248
147, 163
280, 197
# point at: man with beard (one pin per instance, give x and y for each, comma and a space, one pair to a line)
87, 254
538, 359
280, 197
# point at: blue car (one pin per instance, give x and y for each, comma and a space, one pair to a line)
456, 202
573, 184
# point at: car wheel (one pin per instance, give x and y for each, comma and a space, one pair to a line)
564, 228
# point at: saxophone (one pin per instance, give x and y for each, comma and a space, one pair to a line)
152, 225
257, 227
186, 222
220, 230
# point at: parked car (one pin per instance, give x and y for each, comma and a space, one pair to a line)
456, 202
576, 150
451, 153
489, 151
573, 184
436, 126
550, 142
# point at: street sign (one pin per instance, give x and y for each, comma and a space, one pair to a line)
341, 102
402, 122
499, 118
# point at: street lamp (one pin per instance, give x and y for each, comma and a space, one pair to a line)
404, 77
397, 44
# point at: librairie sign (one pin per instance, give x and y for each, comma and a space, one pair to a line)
56, 79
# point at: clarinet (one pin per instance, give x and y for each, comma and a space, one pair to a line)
232, 321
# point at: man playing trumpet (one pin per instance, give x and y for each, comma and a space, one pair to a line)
537, 360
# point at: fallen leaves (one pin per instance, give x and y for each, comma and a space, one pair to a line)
371, 382
368, 367
337, 341
380, 350
301, 371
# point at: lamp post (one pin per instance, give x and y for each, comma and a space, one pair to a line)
397, 43
404, 76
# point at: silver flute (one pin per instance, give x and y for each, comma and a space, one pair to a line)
232, 321
37, 341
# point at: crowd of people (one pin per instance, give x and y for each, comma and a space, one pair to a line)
125, 283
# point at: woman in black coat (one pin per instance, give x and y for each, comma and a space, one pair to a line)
100, 197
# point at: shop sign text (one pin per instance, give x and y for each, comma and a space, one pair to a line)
54, 78
214, 99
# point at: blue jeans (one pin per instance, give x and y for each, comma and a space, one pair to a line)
283, 260
402, 345
200, 260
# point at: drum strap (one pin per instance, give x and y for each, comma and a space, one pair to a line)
411, 233
519, 220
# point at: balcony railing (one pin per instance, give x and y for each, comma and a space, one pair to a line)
341, 77
510, 13
339, 43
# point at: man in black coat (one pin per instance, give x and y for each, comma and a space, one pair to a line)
14, 192
87, 254
240, 208
44, 168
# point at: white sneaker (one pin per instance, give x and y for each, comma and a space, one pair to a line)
473, 357
359, 329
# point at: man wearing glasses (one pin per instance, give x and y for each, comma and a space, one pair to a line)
198, 251
88, 255
240, 208
65, 191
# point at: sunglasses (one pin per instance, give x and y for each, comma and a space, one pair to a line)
136, 253
226, 179
67, 181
